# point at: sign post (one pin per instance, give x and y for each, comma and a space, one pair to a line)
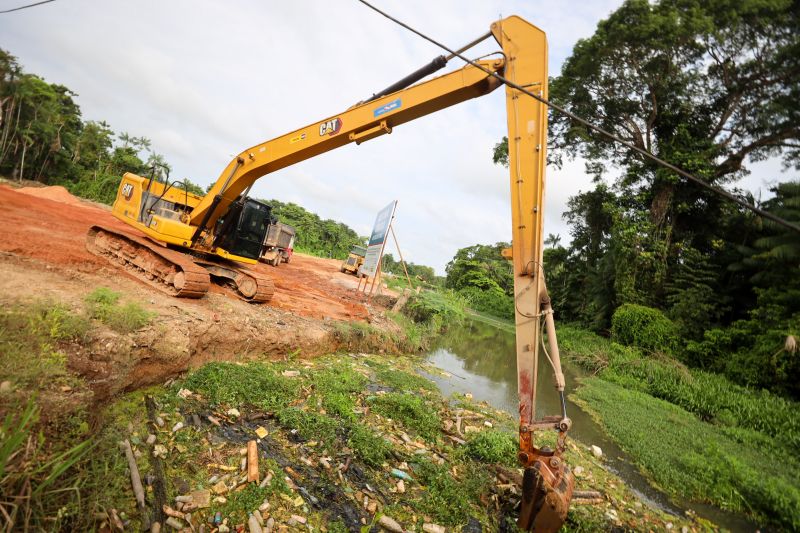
377, 242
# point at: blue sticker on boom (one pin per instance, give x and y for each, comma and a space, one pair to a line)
391, 106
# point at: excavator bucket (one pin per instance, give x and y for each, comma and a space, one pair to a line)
546, 494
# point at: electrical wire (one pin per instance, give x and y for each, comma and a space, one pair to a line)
27, 6
598, 129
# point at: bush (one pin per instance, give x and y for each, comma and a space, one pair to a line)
441, 308
492, 301
493, 446
644, 327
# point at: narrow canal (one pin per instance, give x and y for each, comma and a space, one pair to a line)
481, 360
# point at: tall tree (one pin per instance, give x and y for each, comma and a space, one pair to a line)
704, 84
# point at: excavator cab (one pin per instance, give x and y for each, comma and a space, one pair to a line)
242, 230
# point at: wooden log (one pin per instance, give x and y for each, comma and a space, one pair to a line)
252, 461
136, 481
159, 483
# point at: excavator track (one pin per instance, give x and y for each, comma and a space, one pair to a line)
167, 270
247, 284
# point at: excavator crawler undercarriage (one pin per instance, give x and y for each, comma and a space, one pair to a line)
172, 272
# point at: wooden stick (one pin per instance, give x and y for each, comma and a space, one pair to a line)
402, 261
136, 480
252, 461
159, 484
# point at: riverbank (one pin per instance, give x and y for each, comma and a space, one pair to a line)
696, 435
343, 441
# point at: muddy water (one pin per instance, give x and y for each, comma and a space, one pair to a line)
481, 360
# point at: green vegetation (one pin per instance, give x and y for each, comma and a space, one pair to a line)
410, 410
401, 381
309, 425
483, 278
680, 423
735, 468
29, 346
419, 274
103, 304
234, 385
494, 446
446, 498
369, 447
644, 327
437, 308
38, 481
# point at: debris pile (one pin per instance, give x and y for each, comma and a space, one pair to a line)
338, 444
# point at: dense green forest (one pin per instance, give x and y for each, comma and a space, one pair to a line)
711, 87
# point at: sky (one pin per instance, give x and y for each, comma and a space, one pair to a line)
204, 80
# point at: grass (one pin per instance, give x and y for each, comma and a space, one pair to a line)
712, 397
40, 482
734, 468
103, 304
309, 425
448, 499
403, 381
494, 446
29, 345
235, 385
410, 410
367, 446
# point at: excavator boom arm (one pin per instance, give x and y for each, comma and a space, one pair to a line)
357, 124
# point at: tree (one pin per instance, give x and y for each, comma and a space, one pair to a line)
705, 85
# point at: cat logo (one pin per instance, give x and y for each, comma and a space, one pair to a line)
127, 191
330, 127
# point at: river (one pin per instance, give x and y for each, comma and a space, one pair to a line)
481, 360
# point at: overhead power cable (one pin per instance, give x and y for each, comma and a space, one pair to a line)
27, 6
598, 129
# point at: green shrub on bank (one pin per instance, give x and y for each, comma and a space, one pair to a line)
493, 301
436, 307
711, 397
644, 327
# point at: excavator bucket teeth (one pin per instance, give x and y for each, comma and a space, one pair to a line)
546, 493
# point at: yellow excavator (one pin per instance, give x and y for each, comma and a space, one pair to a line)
188, 239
